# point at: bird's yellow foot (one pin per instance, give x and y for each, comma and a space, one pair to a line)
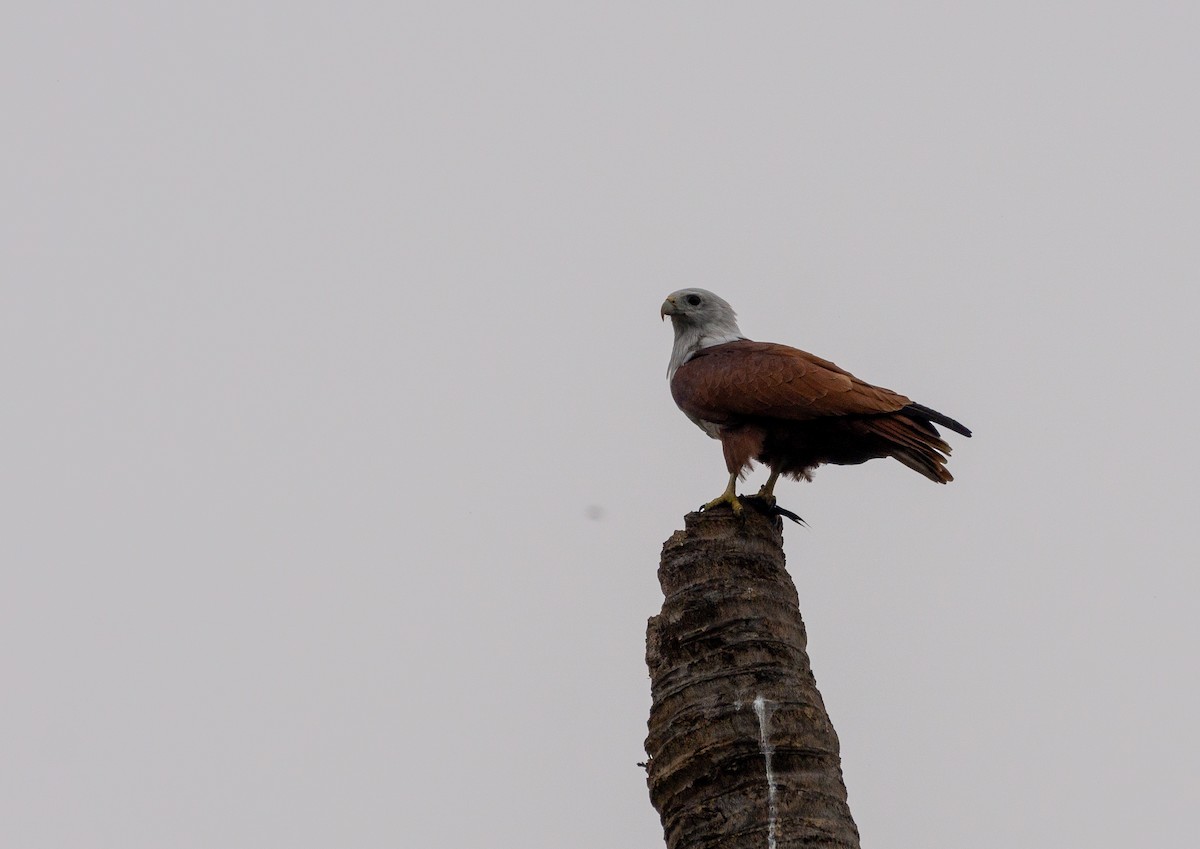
767, 491
729, 496
726, 497
765, 495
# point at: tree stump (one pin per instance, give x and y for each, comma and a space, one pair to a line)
742, 752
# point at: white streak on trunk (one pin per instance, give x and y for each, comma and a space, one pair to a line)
763, 712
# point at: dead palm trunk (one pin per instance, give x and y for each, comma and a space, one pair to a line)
742, 752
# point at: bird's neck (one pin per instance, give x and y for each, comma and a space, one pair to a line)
689, 339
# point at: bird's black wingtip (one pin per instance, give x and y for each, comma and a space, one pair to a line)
944, 420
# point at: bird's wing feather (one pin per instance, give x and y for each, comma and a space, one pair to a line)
762, 379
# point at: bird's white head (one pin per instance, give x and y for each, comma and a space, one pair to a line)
700, 319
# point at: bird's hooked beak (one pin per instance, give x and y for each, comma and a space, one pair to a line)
668, 308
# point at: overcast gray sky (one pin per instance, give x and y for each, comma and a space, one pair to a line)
339, 454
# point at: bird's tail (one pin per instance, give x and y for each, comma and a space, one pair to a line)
917, 445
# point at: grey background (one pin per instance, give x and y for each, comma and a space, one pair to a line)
338, 453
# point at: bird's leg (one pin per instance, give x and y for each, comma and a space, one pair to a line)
767, 492
729, 496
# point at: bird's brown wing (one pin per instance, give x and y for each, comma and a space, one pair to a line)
744, 379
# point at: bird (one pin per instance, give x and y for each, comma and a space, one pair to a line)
787, 408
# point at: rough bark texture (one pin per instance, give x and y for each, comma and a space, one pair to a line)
742, 752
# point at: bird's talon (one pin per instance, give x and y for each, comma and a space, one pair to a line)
732, 500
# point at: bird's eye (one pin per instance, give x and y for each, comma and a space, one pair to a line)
694, 300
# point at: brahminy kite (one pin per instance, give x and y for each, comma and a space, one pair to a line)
786, 408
